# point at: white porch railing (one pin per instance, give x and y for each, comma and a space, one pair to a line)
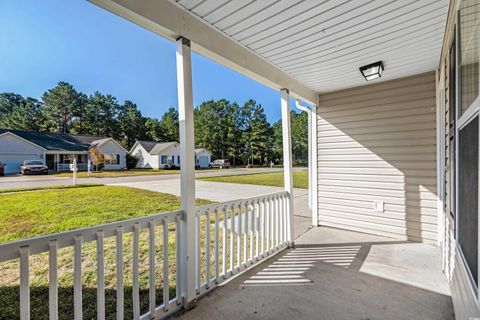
230, 237
240, 234
66, 166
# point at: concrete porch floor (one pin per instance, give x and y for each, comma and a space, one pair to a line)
336, 274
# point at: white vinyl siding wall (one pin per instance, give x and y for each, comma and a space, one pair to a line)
377, 143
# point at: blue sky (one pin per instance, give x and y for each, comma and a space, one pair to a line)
46, 41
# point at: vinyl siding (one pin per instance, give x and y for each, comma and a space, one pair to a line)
377, 142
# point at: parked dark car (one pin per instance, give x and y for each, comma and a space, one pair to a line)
33, 166
2, 169
220, 163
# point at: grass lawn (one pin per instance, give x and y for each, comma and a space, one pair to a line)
71, 186
300, 179
35, 213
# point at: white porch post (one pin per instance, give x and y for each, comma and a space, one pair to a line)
287, 160
187, 171
310, 159
314, 166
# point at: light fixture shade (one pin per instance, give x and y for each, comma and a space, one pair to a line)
372, 71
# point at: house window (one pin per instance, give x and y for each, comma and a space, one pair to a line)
111, 159
468, 195
467, 124
178, 159
118, 159
173, 159
163, 159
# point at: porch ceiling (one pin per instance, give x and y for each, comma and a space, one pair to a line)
307, 46
323, 43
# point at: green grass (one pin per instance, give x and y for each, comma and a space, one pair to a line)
81, 185
29, 214
300, 179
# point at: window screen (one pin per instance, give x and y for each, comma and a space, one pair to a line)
469, 51
468, 195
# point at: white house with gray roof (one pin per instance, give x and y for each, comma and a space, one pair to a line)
57, 150
163, 155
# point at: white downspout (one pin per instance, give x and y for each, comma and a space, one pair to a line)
312, 159
310, 162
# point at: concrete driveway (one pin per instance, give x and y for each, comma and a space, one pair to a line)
221, 192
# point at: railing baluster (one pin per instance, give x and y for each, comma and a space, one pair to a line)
252, 229
262, 225
119, 262
166, 297
25, 283
257, 225
152, 268
245, 237
177, 261
52, 280
216, 245
277, 222
287, 215
272, 213
207, 248
239, 237
198, 253
286, 225
282, 221
232, 239
224, 243
77, 279
272, 223
100, 277
268, 222
135, 288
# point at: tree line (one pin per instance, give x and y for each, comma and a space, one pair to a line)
240, 133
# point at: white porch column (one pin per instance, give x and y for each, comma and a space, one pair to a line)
314, 166
310, 159
187, 171
287, 159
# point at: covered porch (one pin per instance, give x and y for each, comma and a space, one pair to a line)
61, 161
336, 274
375, 165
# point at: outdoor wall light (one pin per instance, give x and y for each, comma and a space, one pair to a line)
372, 71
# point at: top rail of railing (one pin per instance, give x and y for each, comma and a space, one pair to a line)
213, 206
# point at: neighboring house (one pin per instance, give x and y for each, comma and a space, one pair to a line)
156, 155
57, 150
162, 155
203, 157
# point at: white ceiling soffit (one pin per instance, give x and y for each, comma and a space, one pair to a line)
322, 43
